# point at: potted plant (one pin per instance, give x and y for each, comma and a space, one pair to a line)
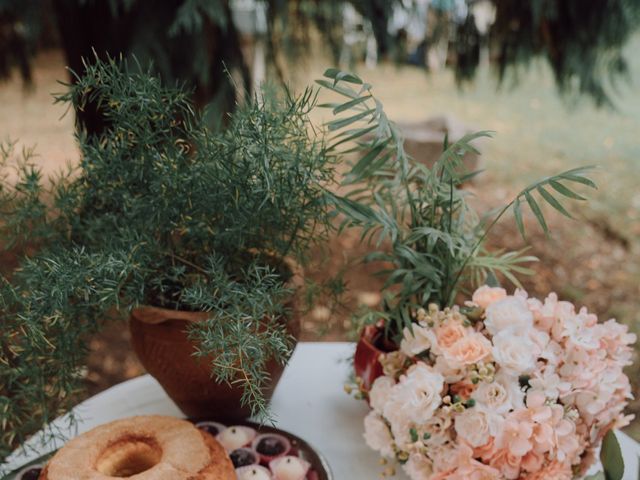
467, 388
198, 234
424, 230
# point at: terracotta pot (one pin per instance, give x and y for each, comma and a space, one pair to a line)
366, 360
159, 338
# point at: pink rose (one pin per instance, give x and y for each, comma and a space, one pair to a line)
449, 333
485, 296
469, 350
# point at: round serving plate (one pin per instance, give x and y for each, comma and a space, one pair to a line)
320, 469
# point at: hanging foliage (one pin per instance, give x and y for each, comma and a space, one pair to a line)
582, 40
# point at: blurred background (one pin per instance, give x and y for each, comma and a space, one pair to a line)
557, 80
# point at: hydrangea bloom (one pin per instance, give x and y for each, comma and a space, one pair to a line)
525, 392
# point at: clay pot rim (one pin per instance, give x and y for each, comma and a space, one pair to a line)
370, 334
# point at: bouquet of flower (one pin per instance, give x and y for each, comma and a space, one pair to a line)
504, 387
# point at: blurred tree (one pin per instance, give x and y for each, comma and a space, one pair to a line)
203, 42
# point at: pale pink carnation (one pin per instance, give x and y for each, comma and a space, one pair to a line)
552, 471
447, 458
508, 463
475, 470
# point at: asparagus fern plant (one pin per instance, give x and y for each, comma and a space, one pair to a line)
160, 211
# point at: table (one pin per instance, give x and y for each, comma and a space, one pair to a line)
309, 402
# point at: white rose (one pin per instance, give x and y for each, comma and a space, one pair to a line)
377, 434
416, 396
510, 312
415, 340
380, 392
492, 397
514, 353
418, 467
473, 426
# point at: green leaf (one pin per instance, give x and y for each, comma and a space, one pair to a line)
350, 104
341, 89
579, 179
492, 280
560, 188
611, 457
578, 175
551, 200
343, 122
535, 208
518, 214
338, 75
362, 165
596, 476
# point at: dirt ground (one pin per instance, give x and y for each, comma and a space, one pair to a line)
593, 262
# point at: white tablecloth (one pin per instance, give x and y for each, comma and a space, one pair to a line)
309, 402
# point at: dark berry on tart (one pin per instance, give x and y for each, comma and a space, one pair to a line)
212, 428
270, 446
29, 473
242, 457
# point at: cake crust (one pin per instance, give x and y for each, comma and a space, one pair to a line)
142, 448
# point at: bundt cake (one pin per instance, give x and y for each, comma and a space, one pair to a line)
144, 448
